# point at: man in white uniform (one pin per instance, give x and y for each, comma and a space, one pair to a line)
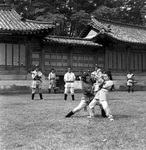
52, 81
69, 79
130, 81
97, 76
37, 82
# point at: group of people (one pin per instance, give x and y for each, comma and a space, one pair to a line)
95, 87
69, 79
37, 81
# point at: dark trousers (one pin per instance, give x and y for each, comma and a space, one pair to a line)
130, 88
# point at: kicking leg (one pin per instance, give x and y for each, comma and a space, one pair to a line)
81, 105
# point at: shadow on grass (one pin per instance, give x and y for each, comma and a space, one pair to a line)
85, 116
119, 116
98, 116
36, 99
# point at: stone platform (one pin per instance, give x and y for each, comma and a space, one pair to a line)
9, 84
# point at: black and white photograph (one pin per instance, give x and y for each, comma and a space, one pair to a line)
72, 75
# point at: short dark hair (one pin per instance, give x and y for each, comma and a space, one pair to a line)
84, 76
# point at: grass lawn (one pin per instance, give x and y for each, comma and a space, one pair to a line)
41, 125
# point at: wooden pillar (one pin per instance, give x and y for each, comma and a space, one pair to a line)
128, 57
28, 55
106, 66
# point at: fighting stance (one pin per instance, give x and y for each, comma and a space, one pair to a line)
69, 79
52, 81
88, 94
101, 97
37, 82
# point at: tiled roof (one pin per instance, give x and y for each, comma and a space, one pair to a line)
120, 31
70, 41
11, 21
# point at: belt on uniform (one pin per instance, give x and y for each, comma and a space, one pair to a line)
105, 89
69, 81
52, 79
36, 80
129, 79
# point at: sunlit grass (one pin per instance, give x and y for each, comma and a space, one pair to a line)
41, 125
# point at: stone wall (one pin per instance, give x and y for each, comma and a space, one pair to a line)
23, 84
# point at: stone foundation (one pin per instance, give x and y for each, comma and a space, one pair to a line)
23, 85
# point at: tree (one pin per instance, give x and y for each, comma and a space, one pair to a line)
132, 12
143, 12
73, 15
107, 13
79, 20
128, 11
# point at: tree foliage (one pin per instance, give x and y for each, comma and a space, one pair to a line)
73, 15
128, 11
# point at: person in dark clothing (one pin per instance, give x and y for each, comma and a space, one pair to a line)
88, 94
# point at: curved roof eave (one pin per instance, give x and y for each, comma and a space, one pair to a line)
121, 32
70, 41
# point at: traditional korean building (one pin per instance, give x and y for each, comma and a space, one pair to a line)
124, 48
124, 45
63, 52
19, 39
25, 43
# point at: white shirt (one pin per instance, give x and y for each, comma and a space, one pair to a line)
97, 74
36, 82
52, 76
108, 84
129, 76
69, 79
36, 73
102, 94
